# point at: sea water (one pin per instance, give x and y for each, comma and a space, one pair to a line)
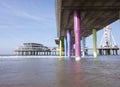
104, 71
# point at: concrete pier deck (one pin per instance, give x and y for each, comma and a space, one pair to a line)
60, 72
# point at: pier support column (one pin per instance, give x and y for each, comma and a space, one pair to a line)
83, 46
77, 33
94, 43
25, 53
65, 46
18, 53
68, 42
60, 47
30, 52
22, 53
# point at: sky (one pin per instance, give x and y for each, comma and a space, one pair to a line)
23, 21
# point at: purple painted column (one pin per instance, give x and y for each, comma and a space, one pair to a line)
68, 42
77, 33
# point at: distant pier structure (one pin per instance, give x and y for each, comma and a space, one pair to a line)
34, 49
108, 45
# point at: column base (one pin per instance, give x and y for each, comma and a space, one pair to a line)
95, 55
83, 55
77, 58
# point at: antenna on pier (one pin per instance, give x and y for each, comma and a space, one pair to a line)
107, 39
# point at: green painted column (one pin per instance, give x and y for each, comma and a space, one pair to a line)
94, 43
60, 47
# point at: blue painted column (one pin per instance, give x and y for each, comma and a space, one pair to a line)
68, 42
65, 46
77, 34
83, 46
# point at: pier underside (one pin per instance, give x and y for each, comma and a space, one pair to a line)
94, 14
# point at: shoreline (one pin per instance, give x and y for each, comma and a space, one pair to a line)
14, 56
32, 57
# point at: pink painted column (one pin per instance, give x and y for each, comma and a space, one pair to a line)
77, 33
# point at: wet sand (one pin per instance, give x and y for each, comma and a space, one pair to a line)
55, 72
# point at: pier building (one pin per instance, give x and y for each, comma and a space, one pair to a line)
34, 49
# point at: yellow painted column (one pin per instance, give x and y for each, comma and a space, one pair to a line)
94, 43
60, 47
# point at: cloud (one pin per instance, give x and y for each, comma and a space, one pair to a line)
23, 14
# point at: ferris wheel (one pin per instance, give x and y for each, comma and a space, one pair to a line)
107, 38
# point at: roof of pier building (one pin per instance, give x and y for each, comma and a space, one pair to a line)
33, 44
32, 47
93, 14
